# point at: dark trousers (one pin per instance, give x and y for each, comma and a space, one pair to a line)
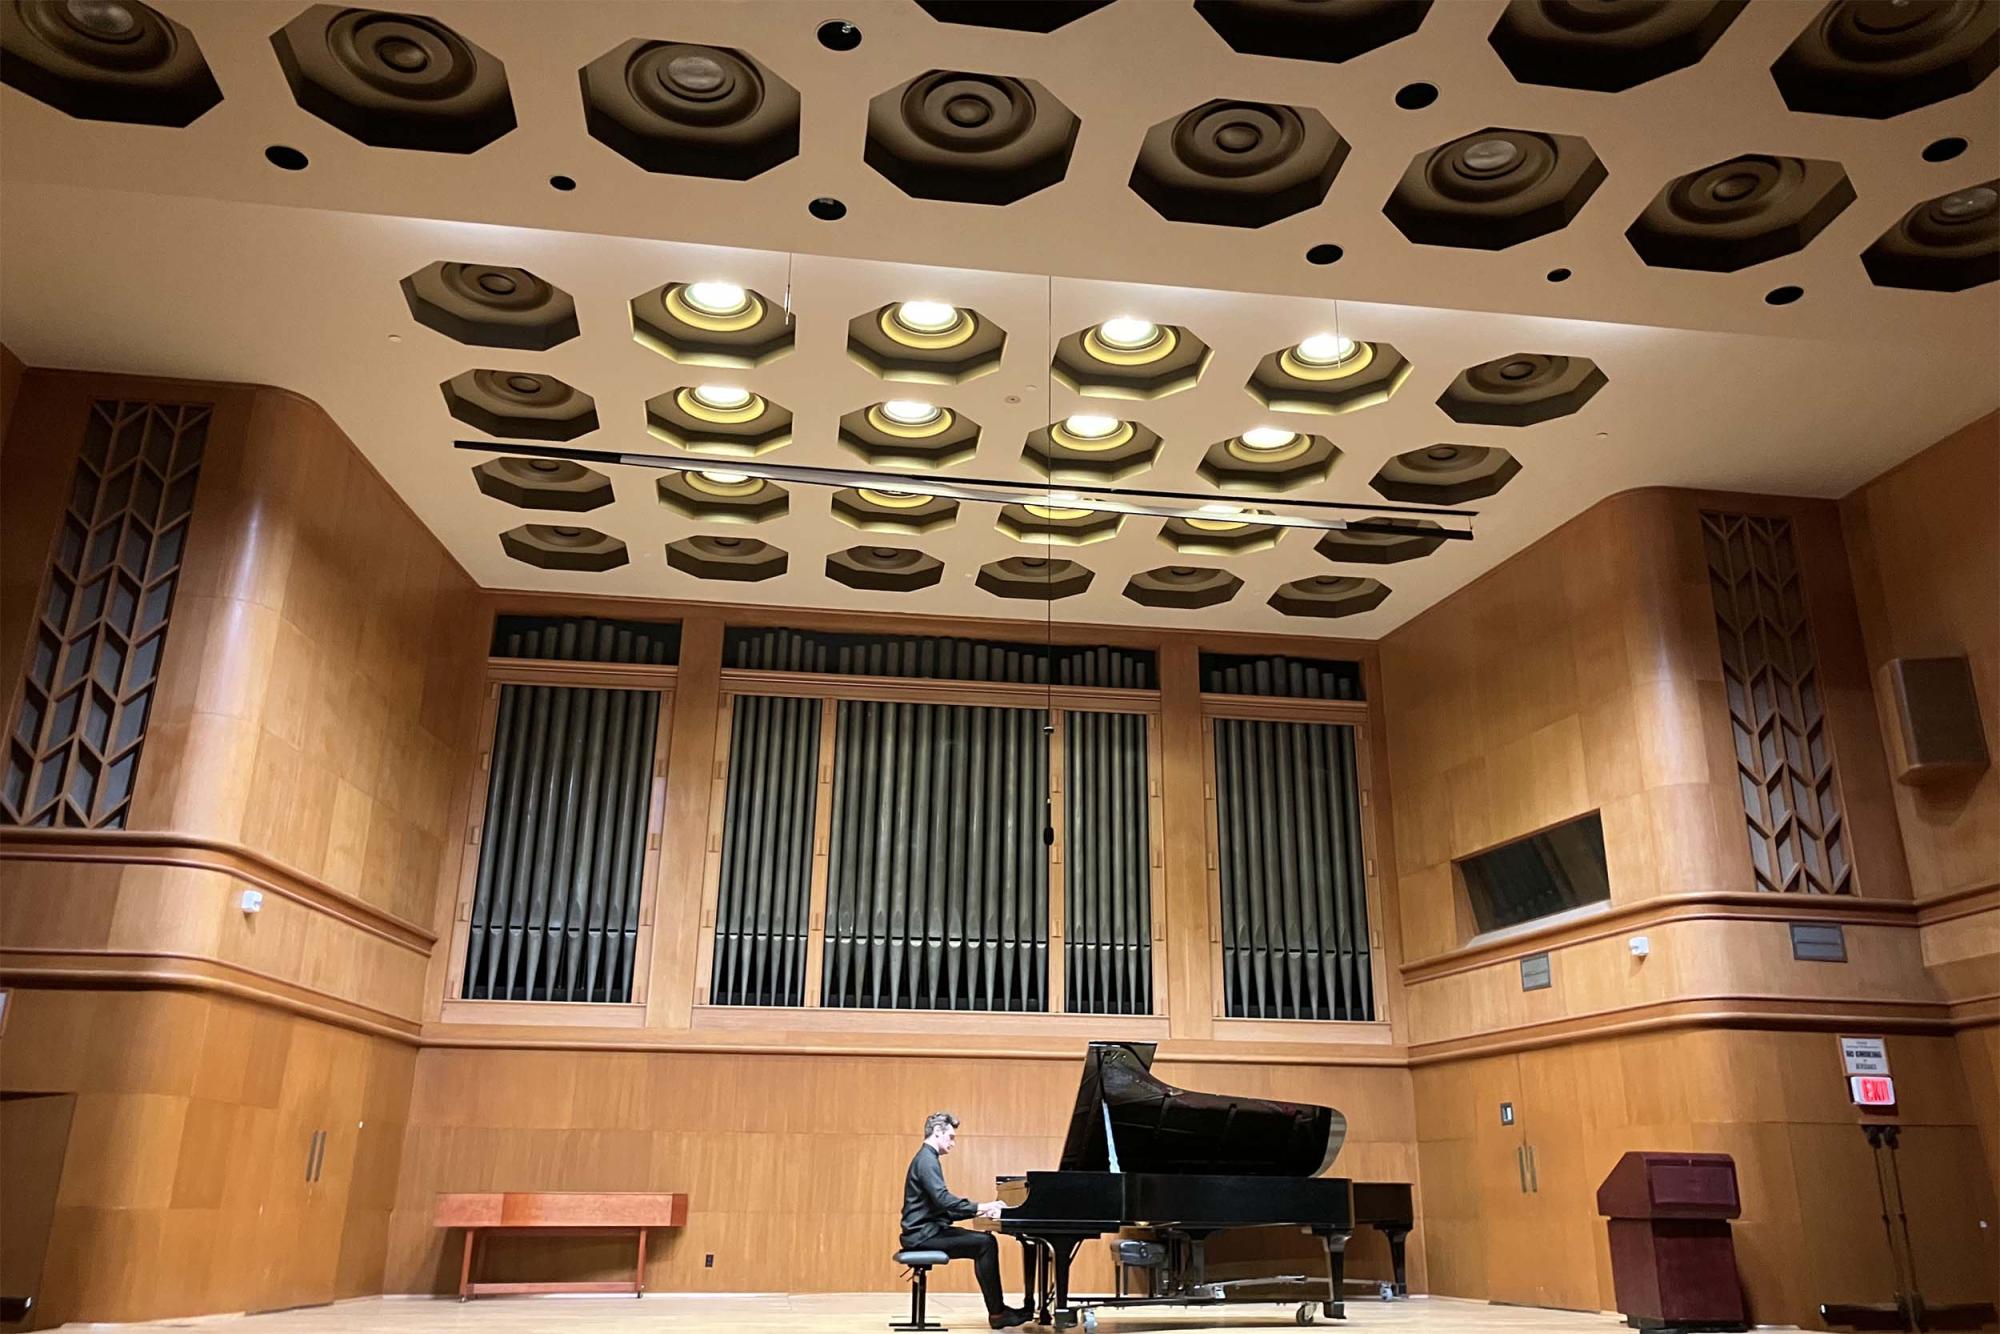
962, 1243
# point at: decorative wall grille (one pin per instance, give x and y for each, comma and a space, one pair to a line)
938, 885
555, 909
1784, 762
764, 897
1107, 865
101, 627
937, 659
1292, 872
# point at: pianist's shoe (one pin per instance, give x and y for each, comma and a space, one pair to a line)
1010, 1317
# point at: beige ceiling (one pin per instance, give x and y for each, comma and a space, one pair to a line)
182, 252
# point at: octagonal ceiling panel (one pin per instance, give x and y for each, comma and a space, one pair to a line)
294, 278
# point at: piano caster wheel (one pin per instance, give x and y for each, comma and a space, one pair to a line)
1307, 1313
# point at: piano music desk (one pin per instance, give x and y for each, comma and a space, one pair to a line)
557, 1213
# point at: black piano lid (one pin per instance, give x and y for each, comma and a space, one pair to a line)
1161, 1128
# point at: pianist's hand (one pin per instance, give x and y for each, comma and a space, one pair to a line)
991, 1209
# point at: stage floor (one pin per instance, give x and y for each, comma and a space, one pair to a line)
845, 1313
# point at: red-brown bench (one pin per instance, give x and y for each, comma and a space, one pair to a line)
557, 1213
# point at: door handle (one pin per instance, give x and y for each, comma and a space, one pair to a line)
1521, 1165
315, 1155
1534, 1173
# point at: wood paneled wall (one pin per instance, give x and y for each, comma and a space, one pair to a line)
310, 729
793, 1165
1924, 542
182, 1178
1811, 1227
309, 732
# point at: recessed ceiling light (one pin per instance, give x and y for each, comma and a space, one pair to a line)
725, 478
1267, 437
1221, 509
724, 397
1325, 349
926, 316
1090, 425
911, 411
1442, 453
1062, 497
713, 298
1128, 333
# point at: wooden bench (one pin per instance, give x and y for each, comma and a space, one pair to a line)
557, 1213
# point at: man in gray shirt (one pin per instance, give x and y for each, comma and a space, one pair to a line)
929, 1209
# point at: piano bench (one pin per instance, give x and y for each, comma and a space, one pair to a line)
919, 1264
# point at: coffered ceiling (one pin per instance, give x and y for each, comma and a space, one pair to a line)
1763, 261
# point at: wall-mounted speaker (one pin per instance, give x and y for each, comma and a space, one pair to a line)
1937, 733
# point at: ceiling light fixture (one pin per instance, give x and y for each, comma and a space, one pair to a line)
1267, 437
1090, 425
716, 298
1325, 349
911, 411
725, 478
722, 397
927, 316
1128, 334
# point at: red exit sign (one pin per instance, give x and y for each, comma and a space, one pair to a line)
1872, 1090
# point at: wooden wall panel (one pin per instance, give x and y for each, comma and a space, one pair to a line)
793, 1165
1776, 1102
181, 1181
1924, 543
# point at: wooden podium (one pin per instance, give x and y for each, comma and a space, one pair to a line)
557, 1213
1673, 1261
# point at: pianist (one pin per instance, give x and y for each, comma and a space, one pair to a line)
929, 1209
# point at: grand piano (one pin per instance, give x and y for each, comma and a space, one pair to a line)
1141, 1154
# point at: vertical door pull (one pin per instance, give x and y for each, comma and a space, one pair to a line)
1534, 1173
1521, 1165
316, 1155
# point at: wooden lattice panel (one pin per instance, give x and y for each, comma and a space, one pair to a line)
101, 625
1784, 761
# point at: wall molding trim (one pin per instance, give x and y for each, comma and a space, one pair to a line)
1811, 1013
145, 847
1621, 919
127, 970
1965, 901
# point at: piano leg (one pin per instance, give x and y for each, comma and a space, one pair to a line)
1335, 1306
1063, 1253
1034, 1277
1397, 1237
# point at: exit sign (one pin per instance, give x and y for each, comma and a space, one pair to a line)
1872, 1090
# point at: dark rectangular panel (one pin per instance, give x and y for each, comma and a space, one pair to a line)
1535, 972
1818, 942
1537, 876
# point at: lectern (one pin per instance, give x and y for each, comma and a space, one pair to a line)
1673, 1262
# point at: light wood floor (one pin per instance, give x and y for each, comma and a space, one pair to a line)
847, 1313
